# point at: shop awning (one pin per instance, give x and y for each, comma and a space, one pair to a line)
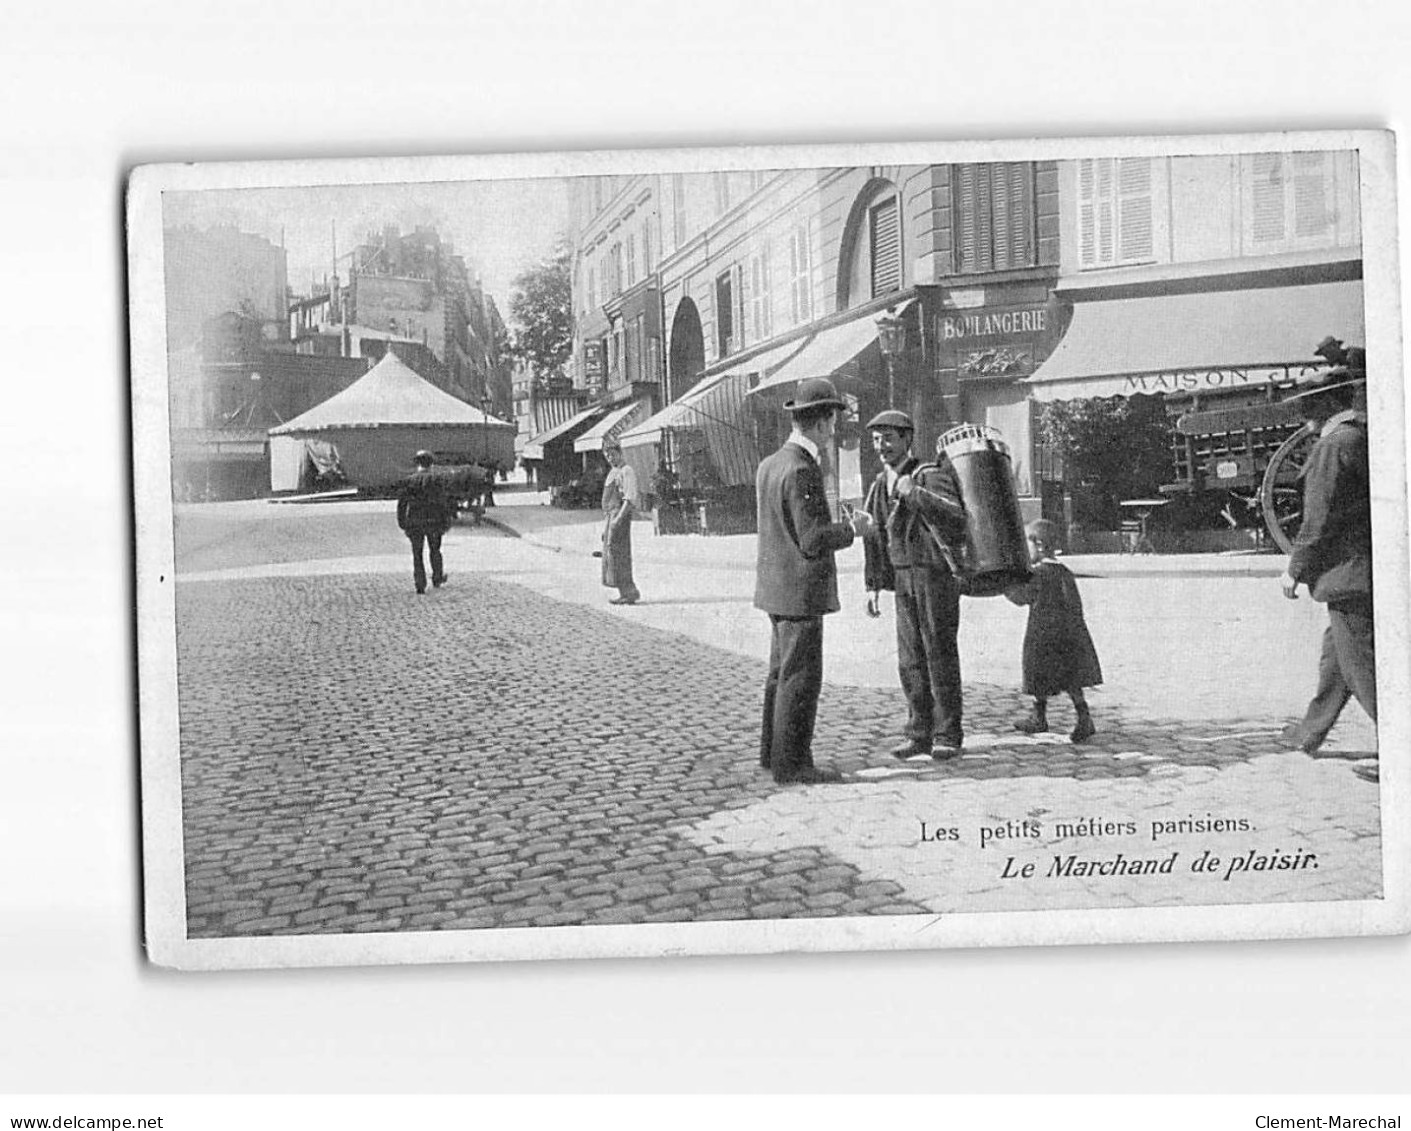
825, 353
1186, 343
610, 425
704, 402
534, 450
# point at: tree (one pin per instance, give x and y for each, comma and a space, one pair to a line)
1112, 448
541, 307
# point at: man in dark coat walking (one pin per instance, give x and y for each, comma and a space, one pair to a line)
424, 512
918, 534
797, 581
1332, 554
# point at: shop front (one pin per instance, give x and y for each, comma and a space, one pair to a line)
1217, 358
983, 342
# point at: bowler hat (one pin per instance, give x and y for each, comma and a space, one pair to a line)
815, 392
892, 419
1326, 381
425, 457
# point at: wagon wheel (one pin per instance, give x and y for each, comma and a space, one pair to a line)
1281, 495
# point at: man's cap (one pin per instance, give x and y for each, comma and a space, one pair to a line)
424, 456
815, 392
1326, 381
892, 419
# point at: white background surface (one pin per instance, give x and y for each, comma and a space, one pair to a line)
91, 92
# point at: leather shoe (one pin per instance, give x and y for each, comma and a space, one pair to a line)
622, 600
946, 752
910, 750
439, 581
1083, 731
812, 776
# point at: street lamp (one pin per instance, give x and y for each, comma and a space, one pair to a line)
891, 337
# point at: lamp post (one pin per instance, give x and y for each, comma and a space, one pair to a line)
891, 337
485, 403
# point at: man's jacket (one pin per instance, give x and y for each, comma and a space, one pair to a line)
917, 530
795, 572
423, 506
1332, 554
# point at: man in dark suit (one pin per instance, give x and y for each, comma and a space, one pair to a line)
917, 536
424, 513
797, 581
1332, 554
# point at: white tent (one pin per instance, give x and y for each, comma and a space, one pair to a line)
380, 421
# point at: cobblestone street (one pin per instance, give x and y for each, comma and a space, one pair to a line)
500, 754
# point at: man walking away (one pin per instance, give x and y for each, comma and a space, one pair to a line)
796, 581
424, 513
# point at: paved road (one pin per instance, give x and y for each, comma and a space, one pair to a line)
356, 758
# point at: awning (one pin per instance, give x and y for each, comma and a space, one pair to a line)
1188, 343
534, 450
825, 353
610, 425
705, 400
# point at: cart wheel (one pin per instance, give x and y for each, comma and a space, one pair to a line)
1281, 495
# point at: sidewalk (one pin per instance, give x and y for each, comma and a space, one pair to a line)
580, 532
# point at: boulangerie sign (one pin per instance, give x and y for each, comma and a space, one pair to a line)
448, 740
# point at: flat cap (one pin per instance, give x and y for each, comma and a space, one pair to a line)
892, 419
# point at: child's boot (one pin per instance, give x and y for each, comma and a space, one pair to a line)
1085, 729
1035, 721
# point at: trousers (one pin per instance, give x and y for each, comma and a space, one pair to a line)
791, 693
432, 538
928, 658
1347, 667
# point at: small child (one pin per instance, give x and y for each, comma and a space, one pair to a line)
1058, 651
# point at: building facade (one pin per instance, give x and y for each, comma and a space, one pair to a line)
1207, 281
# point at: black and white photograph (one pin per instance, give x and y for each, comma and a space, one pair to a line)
748, 550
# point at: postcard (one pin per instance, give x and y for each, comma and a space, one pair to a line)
776, 549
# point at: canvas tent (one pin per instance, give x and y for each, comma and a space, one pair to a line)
382, 419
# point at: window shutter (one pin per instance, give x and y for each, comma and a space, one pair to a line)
1134, 209
1087, 213
1268, 202
1023, 251
1001, 215
1106, 209
886, 247
1311, 181
965, 229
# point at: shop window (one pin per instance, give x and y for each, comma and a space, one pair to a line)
760, 299
994, 220
884, 227
1289, 201
1115, 211
800, 276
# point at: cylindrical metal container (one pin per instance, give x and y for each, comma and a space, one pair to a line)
996, 551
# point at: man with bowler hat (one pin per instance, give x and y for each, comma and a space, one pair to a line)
917, 535
1332, 554
424, 512
797, 581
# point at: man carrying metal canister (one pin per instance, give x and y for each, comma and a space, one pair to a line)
917, 538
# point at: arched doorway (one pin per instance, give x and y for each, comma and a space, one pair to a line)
687, 357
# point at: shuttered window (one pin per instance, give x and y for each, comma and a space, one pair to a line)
631, 258
1116, 213
1289, 201
885, 224
678, 208
994, 217
800, 276
759, 297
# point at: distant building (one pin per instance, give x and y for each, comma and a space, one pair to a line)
212, 271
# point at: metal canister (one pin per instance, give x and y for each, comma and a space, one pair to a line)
996, 551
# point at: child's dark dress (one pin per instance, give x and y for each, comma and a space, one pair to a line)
1058, 652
